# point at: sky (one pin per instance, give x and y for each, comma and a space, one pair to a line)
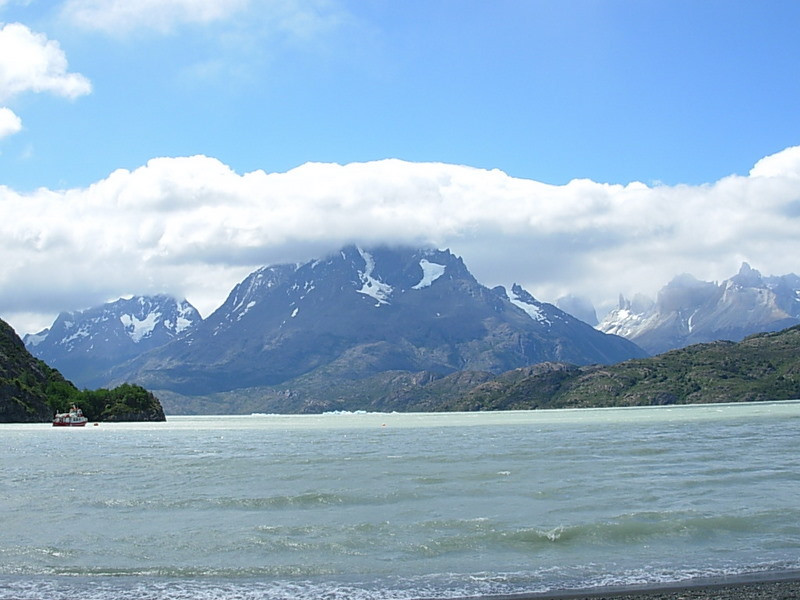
589, 147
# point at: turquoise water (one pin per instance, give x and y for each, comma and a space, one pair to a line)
399, 505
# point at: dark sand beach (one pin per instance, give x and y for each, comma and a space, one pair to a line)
781, 588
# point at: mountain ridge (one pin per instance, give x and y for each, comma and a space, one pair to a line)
84, 344
355, 314
689, 311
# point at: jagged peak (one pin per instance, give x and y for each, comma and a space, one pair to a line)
748, 277
523, 295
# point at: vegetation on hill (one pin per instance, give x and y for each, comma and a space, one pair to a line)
764, 366
31, 391
761, 367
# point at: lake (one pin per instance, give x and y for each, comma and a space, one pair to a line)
399, 506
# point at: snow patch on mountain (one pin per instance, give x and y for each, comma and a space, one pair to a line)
371, 286
522, 299
624, 322
430, 272
139, 328
185, 318
534, 311
34, 339
68, 341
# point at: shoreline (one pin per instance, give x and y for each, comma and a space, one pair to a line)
773, 586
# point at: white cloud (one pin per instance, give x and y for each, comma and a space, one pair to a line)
783, 164
31, 62
9, 122
192, 226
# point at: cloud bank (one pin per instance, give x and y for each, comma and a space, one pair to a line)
193, 227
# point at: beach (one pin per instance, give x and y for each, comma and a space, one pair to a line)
783, 588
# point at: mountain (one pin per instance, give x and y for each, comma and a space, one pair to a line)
84, 345
689, 311
359, 324
764, 366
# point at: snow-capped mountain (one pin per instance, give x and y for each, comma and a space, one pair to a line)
689, 311
83, 345
359, 313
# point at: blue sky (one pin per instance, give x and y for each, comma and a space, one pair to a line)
618, 91
679, 95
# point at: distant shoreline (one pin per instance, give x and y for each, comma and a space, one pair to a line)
782, 586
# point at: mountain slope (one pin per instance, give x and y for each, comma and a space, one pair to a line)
25, 381
689, 311
84, 345
357, 314
764, 366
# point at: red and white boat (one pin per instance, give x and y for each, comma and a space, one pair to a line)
73, 418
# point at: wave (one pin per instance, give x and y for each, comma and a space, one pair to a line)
247, 585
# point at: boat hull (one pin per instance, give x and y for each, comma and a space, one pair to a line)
83, 424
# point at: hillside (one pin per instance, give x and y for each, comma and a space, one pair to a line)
31, 391
761, 367
25, 382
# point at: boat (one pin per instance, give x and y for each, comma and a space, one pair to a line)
73, 418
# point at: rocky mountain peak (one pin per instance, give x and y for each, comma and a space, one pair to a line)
747, 277
111, 333
361, 313
690, 311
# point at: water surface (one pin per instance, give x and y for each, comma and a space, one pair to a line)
399, 505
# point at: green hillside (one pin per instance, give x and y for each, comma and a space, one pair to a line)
26, 383
761, 367
31, 391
